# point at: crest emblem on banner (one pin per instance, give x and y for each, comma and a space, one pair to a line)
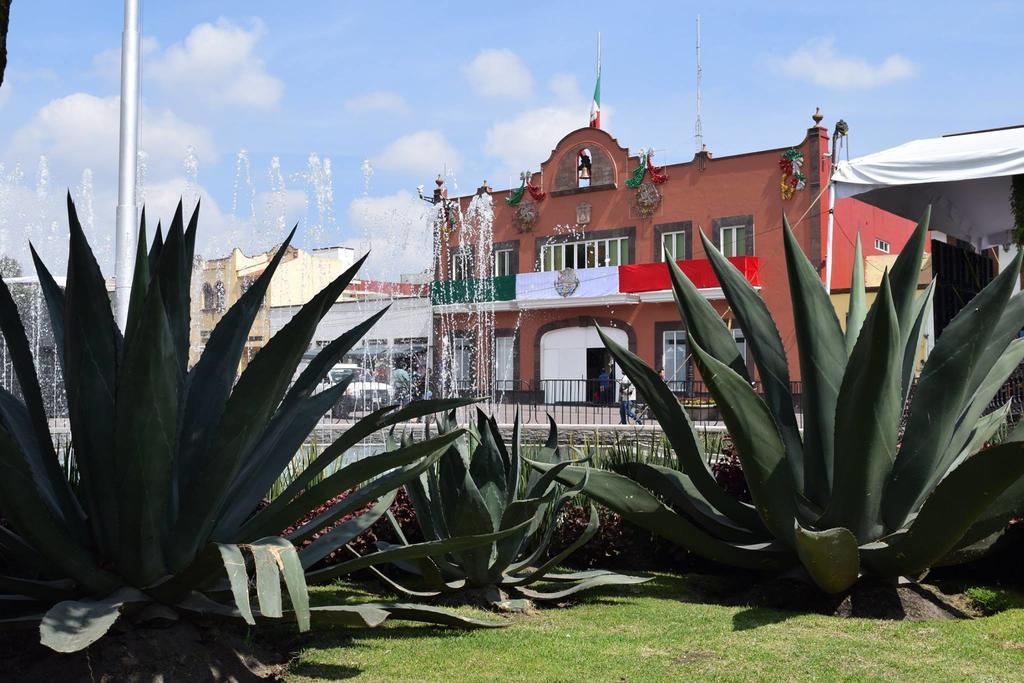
567, 282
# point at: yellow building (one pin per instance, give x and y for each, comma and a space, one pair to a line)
218, 283
874, 266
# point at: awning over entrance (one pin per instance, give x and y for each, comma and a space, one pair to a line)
965, 178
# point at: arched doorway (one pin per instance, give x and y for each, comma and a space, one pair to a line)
571, 358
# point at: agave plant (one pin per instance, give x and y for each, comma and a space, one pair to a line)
172, 462
851, 493
478, 488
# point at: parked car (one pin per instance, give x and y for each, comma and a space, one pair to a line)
364, 392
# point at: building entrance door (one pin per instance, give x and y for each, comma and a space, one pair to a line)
569, 357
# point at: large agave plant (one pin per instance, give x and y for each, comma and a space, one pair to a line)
478, 488
851, 493
173, 461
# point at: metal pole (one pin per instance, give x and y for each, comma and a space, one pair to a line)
828, 234
127, 204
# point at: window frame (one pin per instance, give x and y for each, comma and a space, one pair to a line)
676, 235
734, 243
562, 255
500, 256
879, 242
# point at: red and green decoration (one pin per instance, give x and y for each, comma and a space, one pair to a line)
647, 168
790, 163
516, 196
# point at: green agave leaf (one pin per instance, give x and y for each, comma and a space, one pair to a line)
942, 394
29, 426
967, 425
465, 512
535, 510
642, 508
140, 278
360, 616
538, 574
858, 298
73, 625
766, 346
906, 272
145, 440
345, 532
91, 343
19, 555
282, 439
156, 247
680, 433
238, 578
703, 322
247, 412
822, 352
45, 591
830, 556
681, 494
282, 513
209, 383
174, 274
268, 579
33, 520
867, 423
922, 314
949, 511
489, 471
757, 441
294, 577
412, 552
514, 457
433, 615
985, 430
53, 295
374, 422
606, 580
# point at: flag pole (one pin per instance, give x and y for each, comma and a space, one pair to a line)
128, 152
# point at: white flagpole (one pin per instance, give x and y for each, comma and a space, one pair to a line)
127, 203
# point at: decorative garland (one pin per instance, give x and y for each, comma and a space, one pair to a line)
646, 167
792, 179
1017, 208
516, 196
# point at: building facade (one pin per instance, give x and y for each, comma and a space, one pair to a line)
519, 287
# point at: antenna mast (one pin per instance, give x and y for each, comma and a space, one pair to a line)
698, 131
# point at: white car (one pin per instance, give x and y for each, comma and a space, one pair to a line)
364, 393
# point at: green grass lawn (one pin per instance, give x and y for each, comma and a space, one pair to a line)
660, 631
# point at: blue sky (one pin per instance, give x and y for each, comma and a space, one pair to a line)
412, 86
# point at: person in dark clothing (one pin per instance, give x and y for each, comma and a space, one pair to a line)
626, 402
603, 385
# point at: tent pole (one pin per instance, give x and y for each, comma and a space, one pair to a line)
828, 235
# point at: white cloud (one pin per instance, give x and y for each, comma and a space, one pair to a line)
526, 140
396, 230
383, 101
422, 152
499, 73
107, 64
565, 88
218, 64
820, 63
81, 131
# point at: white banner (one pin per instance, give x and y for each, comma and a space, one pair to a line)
568, 283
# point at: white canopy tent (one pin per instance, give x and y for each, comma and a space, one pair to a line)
965, 177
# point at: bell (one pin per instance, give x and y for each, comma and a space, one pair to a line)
584, 172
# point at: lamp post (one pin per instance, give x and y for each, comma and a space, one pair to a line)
128, 152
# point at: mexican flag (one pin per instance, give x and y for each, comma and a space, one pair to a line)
595, 108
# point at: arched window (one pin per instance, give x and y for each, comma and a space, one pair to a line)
584, 168
209, 298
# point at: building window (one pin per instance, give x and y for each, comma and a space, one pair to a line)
462, 361
741, 343
882, 246
214, 296
675, 359
504, 360
586, 254
733, 240
674, 244
462, 264
503, 262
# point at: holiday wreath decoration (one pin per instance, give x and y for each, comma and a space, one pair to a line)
791, 162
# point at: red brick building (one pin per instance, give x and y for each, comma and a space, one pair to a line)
587, 215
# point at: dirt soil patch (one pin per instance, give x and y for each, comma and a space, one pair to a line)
179, 651
867, 599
